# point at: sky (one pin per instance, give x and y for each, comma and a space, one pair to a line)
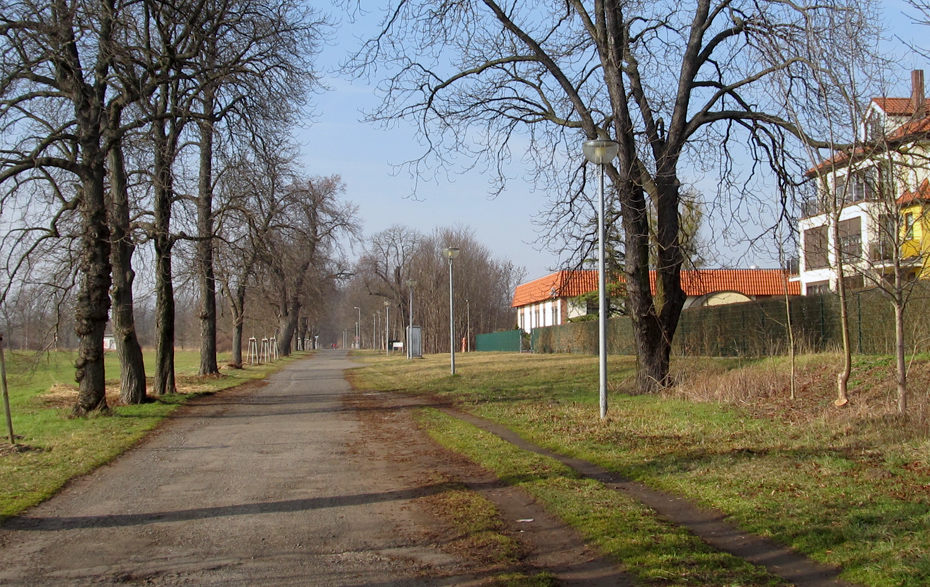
336, 141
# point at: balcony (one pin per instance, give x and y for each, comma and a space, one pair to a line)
851, 248
811, 207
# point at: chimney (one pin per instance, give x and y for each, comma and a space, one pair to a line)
917, 93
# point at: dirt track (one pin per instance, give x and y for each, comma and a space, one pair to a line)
297, 482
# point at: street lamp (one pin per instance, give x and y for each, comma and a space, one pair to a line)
374, 333
410, 284
387, 327
601, 152
451, 253
358, 341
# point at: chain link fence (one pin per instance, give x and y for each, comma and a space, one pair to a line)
760, 328
509, 341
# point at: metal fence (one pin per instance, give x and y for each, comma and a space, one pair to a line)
510, 340
760, 328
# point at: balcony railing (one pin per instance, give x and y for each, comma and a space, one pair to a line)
811, 207
851, 247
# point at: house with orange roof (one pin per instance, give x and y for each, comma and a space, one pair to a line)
870, 223
558, 297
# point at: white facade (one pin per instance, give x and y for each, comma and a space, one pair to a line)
549, 313
861, 249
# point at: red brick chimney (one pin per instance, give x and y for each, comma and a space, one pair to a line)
917, 93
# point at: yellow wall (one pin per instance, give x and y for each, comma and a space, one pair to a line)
919, 244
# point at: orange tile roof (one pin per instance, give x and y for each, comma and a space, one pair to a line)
561, 284
750, 282
899, 106
921, 193
908, 131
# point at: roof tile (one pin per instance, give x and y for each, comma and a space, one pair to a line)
750, 282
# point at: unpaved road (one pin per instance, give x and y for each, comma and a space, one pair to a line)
297, 482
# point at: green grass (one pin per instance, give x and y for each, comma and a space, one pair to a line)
851, 490
59, 447
655, 552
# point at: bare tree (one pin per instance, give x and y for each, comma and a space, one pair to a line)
58, 58
311, 220
666, 81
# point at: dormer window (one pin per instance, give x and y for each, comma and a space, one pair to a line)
874, 127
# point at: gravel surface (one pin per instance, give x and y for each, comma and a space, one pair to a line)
256, 486
297, 481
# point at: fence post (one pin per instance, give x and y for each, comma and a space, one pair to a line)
6, 394
859, 321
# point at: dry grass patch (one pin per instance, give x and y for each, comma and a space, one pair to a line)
65, 396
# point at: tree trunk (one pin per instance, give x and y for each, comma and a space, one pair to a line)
132, 366
93, 300
901, 366
842, 378
205, 273
237, 307
288, 325
164, 288
164, 319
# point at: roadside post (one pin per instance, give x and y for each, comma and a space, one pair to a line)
6, 394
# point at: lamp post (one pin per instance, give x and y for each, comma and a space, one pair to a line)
374, 333
358, 341
451, 253
601, 152
410, 284
387, 327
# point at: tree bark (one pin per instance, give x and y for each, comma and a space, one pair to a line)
205, 273
93, 301
132, 366
900, 364
164, 288
237, 307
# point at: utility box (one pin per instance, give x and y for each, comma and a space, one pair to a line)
414, 343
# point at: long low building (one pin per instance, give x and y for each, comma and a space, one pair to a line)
561, 296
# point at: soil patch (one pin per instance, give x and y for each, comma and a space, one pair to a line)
546, 545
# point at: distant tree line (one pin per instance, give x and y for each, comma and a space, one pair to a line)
482, 294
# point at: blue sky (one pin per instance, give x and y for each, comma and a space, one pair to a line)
364, 155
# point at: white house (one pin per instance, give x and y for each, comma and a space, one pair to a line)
868, 224
554, 299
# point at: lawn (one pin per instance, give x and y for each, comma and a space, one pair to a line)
848, 487
53, 447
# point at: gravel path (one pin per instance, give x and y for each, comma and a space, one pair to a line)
255, 486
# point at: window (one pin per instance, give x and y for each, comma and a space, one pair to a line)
909, 226
850, 233
883, 249
818, 287
873, 127
555, 313
815, 248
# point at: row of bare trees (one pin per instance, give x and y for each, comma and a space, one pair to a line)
115, 117
482, 295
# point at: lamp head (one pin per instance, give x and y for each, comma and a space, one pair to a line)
600, 150
451, 253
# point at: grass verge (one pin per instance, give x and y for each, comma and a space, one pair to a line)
849, 487
653, 551
53, 447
